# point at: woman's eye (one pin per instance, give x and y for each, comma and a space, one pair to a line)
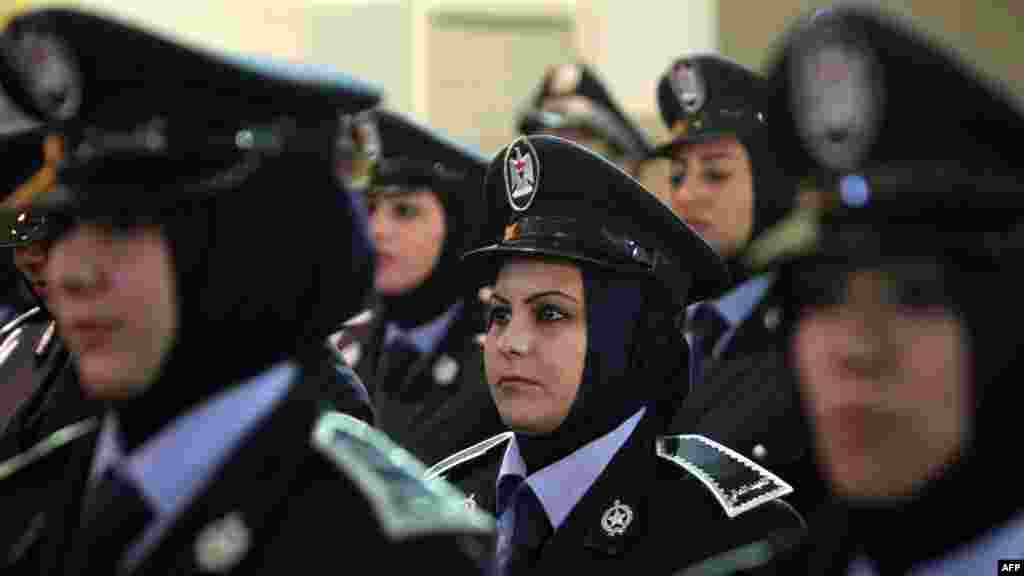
716, 177
405, 210
550, 314
498, 315
677, 179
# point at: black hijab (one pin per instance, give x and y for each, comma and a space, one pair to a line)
973, 493
264, 270
443, 287
631, 360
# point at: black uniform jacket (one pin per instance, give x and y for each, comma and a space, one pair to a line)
662, 489
44, 410
749, 402
34, 367
307, 488
446, 406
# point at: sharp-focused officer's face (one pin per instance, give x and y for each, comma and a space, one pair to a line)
711, 186
535, 343
113, 295
30, 259
408, 233
886, 385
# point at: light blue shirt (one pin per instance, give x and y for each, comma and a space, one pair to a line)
561, 485
735, 307
172, 467
979, 557
427, 336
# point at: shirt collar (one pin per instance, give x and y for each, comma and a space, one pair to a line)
561, 485
172, 466
736, 305
426, 336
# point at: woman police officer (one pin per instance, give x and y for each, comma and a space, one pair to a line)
582, 357
220, 449
414, 347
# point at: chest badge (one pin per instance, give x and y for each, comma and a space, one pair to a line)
445, 370
223, 544
616, 519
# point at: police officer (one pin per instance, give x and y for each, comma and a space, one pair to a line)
581, 359
218, 450
899, 266
44, 409
572, 102
727, 183
414, 349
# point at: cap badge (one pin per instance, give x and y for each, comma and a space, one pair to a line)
565, 79
357, 150
522, 174
43, 180
223, 544
837, 102
680, 128
511, 232
688, 86
49, 74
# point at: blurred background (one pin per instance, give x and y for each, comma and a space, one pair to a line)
465, 66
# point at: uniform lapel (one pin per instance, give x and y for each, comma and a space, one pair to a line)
719, 380
63, 514
222, 528
613, 515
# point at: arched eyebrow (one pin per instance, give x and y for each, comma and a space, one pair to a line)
532, 297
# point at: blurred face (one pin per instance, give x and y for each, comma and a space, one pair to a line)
712, 188
535, 343
113, 295
886, 385
408, 232
30, 260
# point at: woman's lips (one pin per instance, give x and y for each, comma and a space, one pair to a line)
92, 334
517, 383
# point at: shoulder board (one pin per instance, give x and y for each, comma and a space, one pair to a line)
346, 334
43, 448
467, 454
20, 319
364, 317
392, 480
738, 483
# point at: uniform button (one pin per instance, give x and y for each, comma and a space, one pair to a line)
760, 452
772, 318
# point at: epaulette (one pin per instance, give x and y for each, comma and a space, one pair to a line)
11, 332
738, 483
467, 454
364, 317
46, 446
19, 320
392, 479
345, 343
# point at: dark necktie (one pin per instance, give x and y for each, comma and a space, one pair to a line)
395, 363
529, 532
707, 327
115, 513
